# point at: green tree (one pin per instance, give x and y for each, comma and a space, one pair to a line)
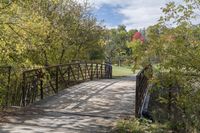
173, 48
36, 33
116, 49
39, 32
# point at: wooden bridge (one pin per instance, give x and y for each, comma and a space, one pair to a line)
74, 98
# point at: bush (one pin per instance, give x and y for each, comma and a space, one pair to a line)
141, 126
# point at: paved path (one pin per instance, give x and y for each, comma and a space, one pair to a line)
90, 107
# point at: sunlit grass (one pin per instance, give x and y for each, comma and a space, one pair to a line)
121, 71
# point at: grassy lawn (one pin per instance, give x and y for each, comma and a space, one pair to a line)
121, 71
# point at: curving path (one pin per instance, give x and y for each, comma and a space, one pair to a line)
90, 107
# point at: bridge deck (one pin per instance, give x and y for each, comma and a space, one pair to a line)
88, 107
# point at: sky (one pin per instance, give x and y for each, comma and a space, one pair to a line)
135, 14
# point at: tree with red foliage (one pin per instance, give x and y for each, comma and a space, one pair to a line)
138, 36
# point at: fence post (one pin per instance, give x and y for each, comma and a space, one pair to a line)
91, 75
86, 68
68, 75
23, 89
170, 102
41, 89
137, 97
141, 90
106, 71
78, 69
101, 70
8, 85
110, 71
97, 70
57, 80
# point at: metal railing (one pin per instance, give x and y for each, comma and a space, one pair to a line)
47, 81
36, 84
141, 89
5, 75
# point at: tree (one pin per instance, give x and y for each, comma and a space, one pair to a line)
115, 48
173, 49
38, 33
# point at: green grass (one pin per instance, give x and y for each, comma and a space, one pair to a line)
140, 126
121, 71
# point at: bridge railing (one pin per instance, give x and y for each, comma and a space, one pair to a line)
141, 88
5, 74
47, 81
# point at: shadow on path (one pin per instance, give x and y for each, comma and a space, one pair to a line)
85, 108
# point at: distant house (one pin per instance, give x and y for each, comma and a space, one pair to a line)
138, 36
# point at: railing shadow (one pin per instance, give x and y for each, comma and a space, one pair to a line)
35, 119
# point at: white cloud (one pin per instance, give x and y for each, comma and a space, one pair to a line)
137, 13
140, 16
99, 3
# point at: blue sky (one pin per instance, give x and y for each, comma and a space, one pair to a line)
132, 13
135, 14
110, 16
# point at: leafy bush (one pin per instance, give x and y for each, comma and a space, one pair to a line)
140, 126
